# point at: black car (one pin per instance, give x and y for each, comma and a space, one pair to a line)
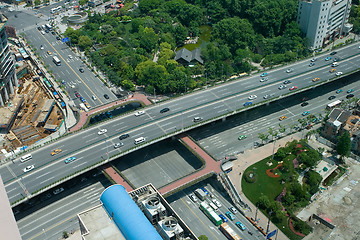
333, 53
164, 110
81, 70
124, 136
47, 31
58, 38
349, 96
331, 97
304, 104
106, 96
39, 28
53, 33
286, 82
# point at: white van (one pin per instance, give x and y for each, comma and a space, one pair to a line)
213, 206
335, 64
25, 158
139, 140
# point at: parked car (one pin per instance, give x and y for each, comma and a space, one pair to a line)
205, 190
77, 94
82, 99
81, 70
106, 96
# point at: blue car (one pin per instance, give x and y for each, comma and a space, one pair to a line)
205, 191
339, 91
223, 218
82, 99
264, 74
69, 160
240, 225
305, 113
230, 215
328, 58
247, 104
350, 90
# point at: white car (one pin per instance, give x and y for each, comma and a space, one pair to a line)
102, 131
282, 87
41, 47
216, 202
70, 57
252, 97
139, 113
43, 32
117, 145
338, 73
29, 168
289, 70
193, 197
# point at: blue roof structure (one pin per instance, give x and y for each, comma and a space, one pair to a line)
127, 216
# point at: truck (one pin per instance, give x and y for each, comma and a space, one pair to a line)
83, 107
200, 194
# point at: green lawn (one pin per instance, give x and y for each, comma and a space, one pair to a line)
269, 186
264, 184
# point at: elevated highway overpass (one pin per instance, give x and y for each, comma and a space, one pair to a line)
92, 150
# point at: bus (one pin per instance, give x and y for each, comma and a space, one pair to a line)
334, 104
229, 232
210, 213
56, 60
54, 10
48, 27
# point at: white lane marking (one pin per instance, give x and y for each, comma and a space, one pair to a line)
46, 180
42, 175
80, 164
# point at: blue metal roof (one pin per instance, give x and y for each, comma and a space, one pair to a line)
127, 216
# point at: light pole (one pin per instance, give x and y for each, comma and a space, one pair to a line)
185, 82
44, 234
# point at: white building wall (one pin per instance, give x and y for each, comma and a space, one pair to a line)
320, 20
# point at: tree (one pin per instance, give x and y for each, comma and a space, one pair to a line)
37, 2
203, 237
313, 179
148, 38
343, 146
263, 137
83, 2
282, 128
272, 132
263, 202
85, 42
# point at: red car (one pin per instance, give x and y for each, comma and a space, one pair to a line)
293, 88
77, 94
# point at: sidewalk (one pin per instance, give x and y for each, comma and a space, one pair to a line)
115, 176
210, 166
246, 160
84, 115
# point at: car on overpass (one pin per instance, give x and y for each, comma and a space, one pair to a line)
139, 113
328, 59
266, 96
293, 88
164, 110
117, 145
313, 60
289, 70
282, 118
198, 119
102, 131
311, 64
28, 168
56, 151
252, 97
264, 79
281, 87
287, 82
124, 136
333, 53
316, 79
264, 74
338, 73
332, 70
70, 159
241, 137
247, 104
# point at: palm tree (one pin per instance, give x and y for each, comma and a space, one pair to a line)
282, 128
273, 133
263, 137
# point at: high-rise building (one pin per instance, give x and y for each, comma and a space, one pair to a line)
8, 80
324, 20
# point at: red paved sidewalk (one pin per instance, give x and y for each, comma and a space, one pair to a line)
210, 166
115, 176
84, 115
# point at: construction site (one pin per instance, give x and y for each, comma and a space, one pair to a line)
33, 111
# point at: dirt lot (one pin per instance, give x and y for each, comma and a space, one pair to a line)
340, 205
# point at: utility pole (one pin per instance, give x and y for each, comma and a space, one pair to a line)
268, 224
154, 95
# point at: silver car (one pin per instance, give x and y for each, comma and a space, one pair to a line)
282, 87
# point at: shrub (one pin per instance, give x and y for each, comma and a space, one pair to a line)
250, 177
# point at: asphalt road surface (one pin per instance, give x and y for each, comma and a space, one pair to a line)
89, 147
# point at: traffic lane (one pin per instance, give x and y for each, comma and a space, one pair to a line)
54, 213
194, 218
14, 191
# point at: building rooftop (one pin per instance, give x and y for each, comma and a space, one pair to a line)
3, 21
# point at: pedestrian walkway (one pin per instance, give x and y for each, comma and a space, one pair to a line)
84, 115
115, 176
249, 158
210, 166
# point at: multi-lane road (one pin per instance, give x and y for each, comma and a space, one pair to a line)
86, 83
89, 147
